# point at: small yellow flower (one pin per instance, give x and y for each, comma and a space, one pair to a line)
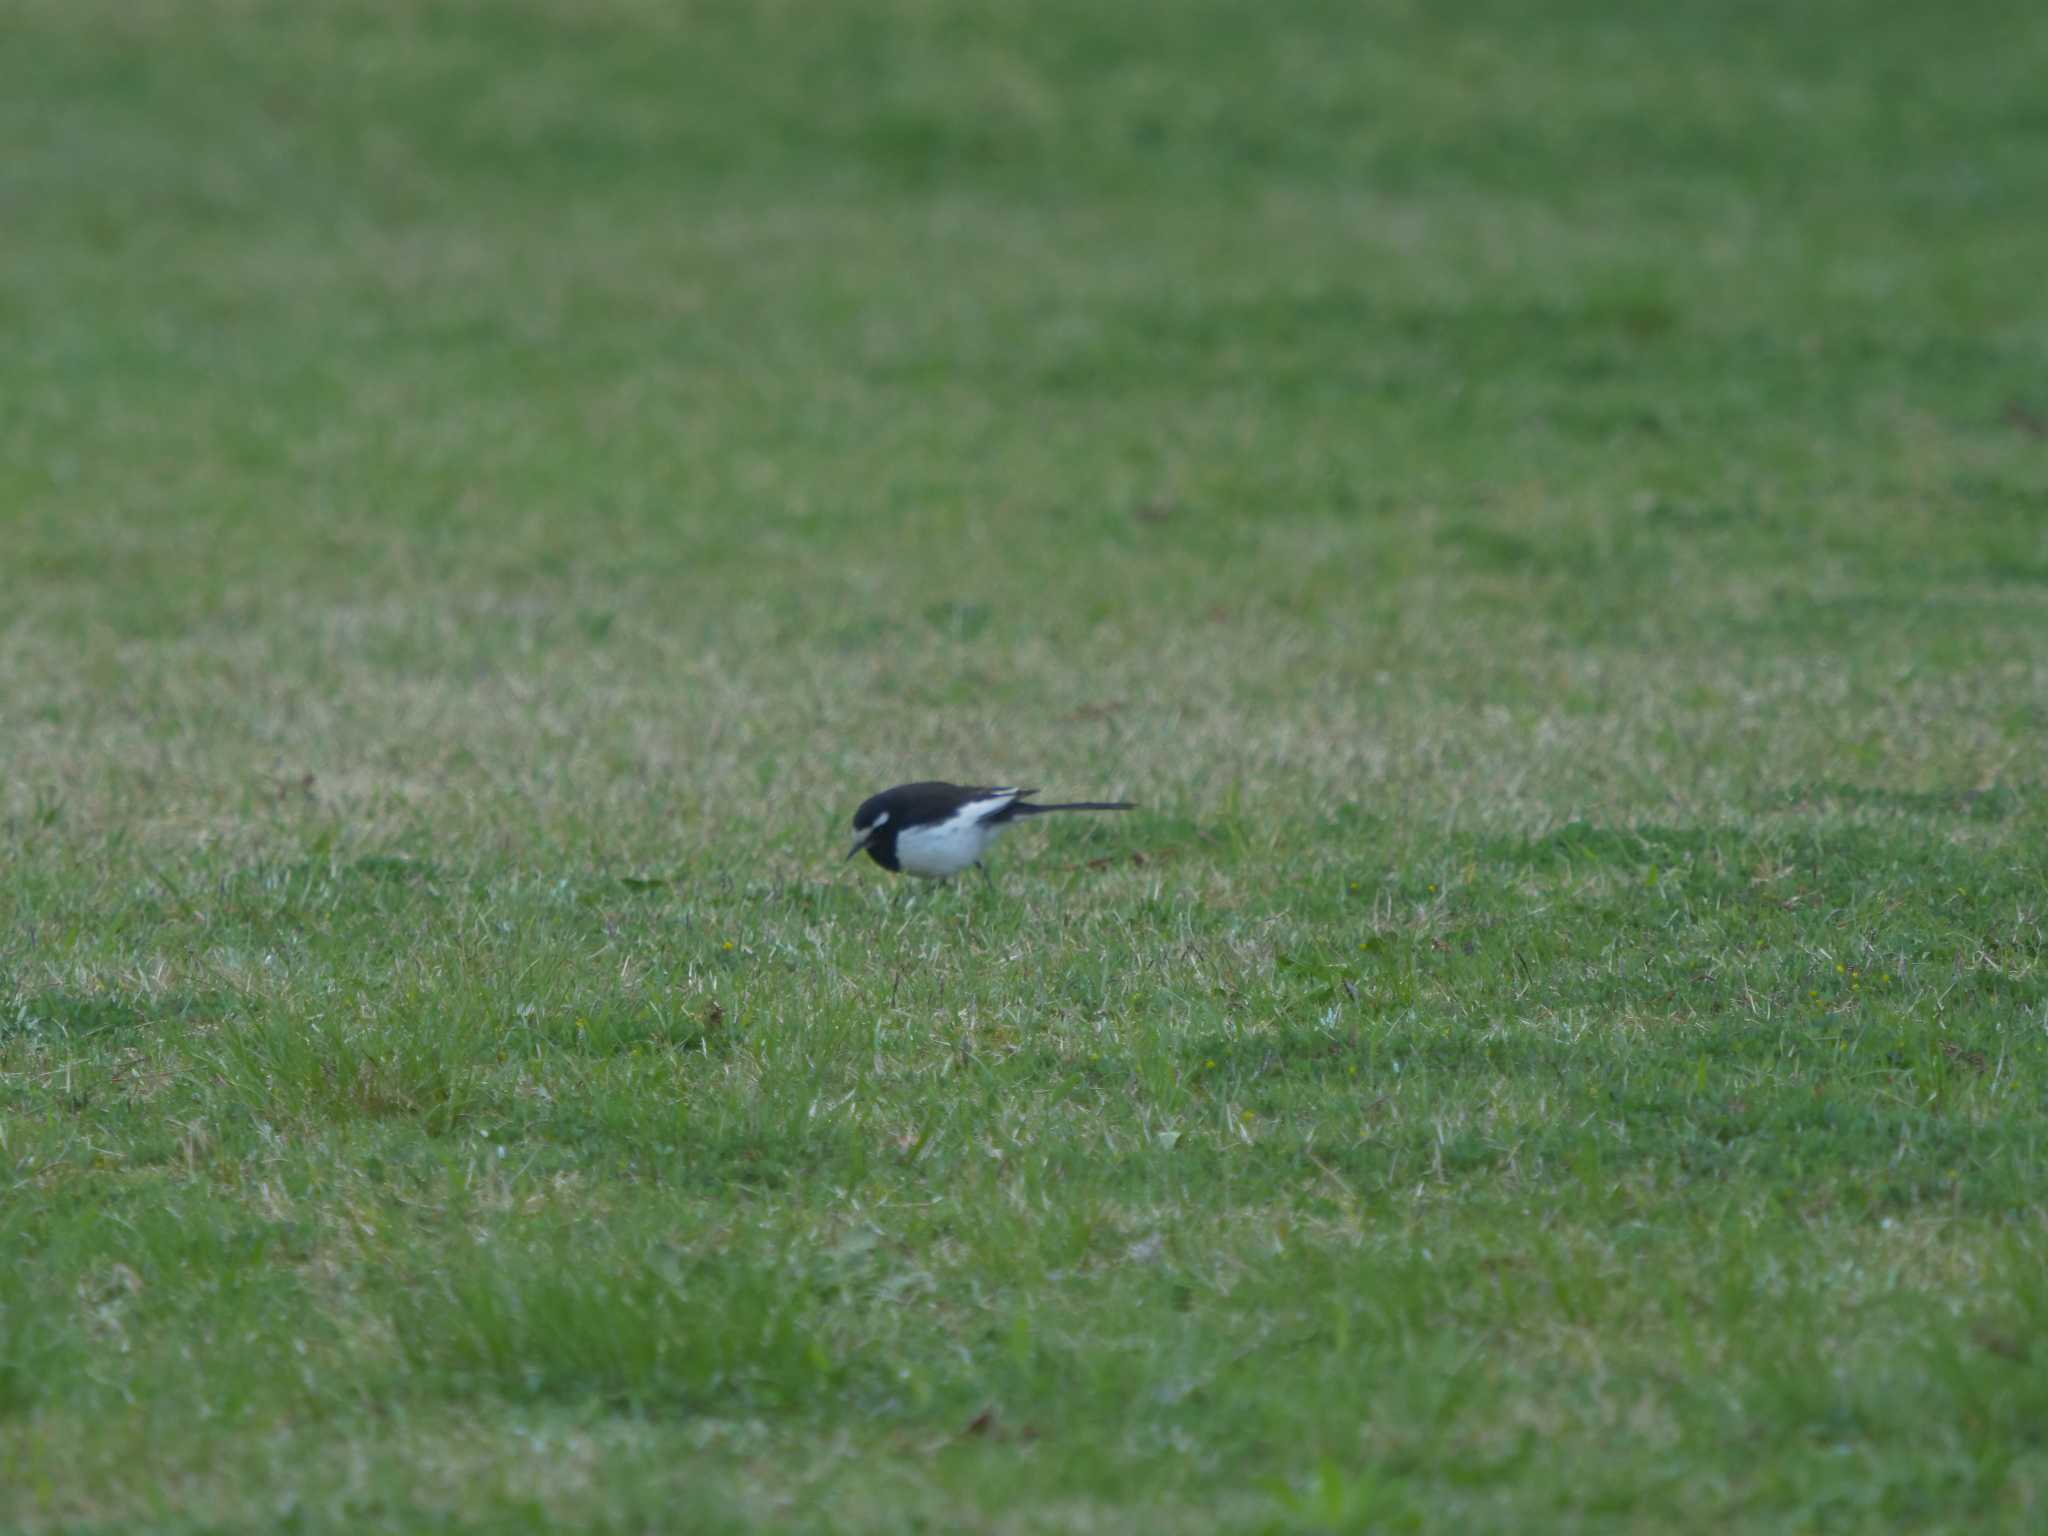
728, 943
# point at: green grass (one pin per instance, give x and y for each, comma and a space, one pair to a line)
1545, 507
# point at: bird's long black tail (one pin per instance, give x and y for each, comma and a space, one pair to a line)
1026, 808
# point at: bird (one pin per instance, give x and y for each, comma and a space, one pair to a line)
934, 829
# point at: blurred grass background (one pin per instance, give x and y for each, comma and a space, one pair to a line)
1546, 507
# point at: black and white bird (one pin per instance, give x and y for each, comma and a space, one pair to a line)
935, 829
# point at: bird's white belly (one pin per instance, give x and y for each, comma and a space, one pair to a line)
946, 847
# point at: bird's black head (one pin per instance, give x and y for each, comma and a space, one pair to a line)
874, 830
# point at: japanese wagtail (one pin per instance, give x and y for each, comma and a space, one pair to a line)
935, 830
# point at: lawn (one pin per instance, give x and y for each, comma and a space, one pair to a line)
1545, 507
